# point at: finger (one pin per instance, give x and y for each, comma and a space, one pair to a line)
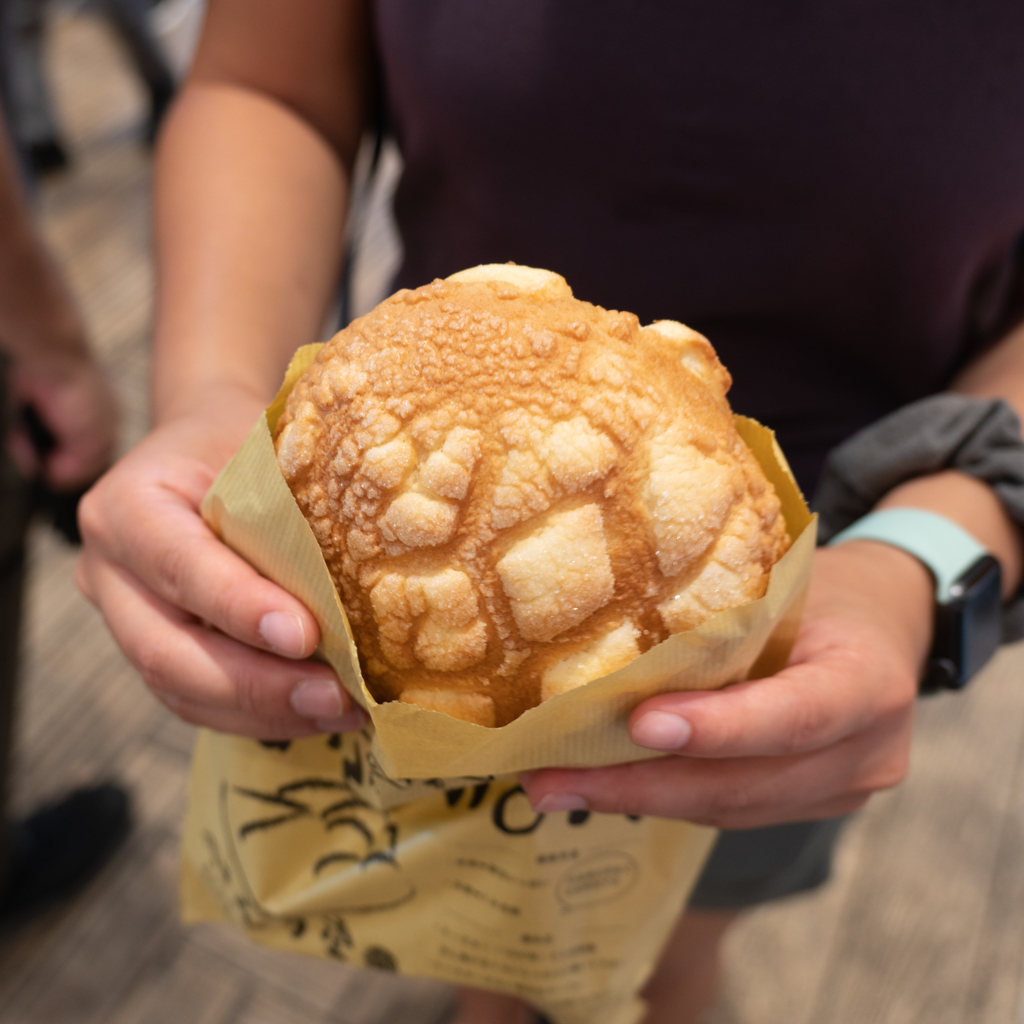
183, 660
735, 793
843, 685
237, 723
172, 551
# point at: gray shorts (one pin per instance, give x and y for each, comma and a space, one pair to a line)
760, 864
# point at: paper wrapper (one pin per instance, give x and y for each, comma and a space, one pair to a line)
407, 846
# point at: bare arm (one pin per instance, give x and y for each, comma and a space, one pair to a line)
251, 193
36, 309
250, 196
43, 336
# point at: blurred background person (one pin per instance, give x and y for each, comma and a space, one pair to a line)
61, 424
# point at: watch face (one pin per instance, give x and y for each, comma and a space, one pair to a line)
969, 628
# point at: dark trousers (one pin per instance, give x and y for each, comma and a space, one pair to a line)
15, 510
762, 864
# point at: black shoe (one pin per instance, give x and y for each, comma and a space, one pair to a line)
60, 847
47, 157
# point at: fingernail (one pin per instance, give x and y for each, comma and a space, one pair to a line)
555, 802
352, 721
317, 698
659, 730
284, 633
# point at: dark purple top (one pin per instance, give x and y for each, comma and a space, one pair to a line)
830, 191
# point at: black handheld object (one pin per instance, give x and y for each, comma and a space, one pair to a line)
59, 507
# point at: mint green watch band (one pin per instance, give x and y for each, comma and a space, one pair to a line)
945, 548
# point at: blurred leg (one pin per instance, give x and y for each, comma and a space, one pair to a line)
685, 981
681, 989
479, 1007
54, 851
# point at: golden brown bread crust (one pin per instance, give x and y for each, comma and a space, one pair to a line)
516, 491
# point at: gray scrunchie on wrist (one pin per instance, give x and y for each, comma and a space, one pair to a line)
977, 436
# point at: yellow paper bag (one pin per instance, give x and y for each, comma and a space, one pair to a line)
410, 845
470, 885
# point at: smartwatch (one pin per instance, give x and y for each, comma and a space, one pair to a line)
968, 603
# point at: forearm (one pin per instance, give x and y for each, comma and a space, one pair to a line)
37, 316
250, 204
998, 373
972, 505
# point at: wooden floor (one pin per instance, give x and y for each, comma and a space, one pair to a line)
923, 922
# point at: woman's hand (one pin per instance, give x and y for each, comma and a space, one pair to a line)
814, 741
216, 642
250, 193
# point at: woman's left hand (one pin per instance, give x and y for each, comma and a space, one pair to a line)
813, 741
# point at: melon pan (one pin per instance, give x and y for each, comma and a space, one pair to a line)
516, 492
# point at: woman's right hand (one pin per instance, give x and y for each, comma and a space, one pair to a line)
217, 643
